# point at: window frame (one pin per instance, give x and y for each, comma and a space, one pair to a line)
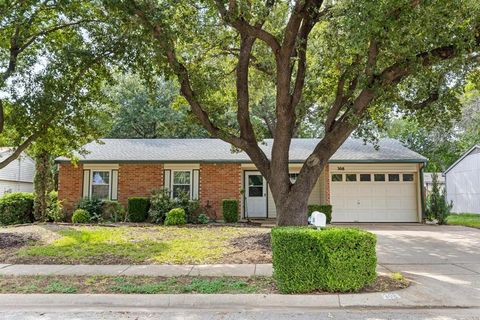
90, 192
413, 177
363, 174
172, 182
351, 174
337, 174
295, 174
392, 174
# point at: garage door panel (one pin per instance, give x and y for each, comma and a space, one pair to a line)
373, 201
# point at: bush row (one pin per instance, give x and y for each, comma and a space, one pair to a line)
336, 259
17, 208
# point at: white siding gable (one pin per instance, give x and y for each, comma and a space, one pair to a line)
21, 169
463, 184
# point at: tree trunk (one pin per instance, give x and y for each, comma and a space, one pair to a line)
42, 184
292, 210
291, 200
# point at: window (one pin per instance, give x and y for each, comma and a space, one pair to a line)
181, 183
337, 177
408, 177
393, 177
293, 177
365, 177
255, 186
100, 185
379, 177
350, 177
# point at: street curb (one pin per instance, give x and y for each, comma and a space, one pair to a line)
206, 301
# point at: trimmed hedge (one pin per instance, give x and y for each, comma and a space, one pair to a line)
176, 217
16, 208
323, 208
336, 259
80, 216
138, 209
230, 210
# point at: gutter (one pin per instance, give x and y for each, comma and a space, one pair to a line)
240, 161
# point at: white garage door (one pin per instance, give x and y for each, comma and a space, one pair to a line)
373, 197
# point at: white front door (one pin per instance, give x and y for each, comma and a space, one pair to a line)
255, 195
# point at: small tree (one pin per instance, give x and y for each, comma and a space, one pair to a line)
437, 206
42, 183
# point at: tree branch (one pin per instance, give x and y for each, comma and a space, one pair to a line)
244, 27
243, 97
15, 154
166, 44
34, 37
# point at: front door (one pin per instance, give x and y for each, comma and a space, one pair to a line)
255, 195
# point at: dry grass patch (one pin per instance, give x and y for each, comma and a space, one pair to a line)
68, 244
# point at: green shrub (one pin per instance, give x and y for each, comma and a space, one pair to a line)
55, 208
323, 208
203, 218
138, 209
93, 206
80, 216
230, 210
175, 217
437, 207
191, 207
336, 259
16, 208
113, 211
160, 205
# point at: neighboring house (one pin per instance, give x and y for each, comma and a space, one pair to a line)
462, 180
18, 175
427, 180
363, 184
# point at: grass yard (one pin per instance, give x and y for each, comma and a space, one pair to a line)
67, 244
159, 285
133, 285
465, 219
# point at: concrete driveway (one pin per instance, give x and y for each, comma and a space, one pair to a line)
442, 261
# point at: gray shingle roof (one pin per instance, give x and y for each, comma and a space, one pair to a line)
215, 150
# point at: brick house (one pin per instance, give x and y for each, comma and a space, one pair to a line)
362, 183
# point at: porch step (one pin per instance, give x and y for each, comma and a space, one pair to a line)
268, 223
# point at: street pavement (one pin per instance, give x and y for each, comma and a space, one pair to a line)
271, 314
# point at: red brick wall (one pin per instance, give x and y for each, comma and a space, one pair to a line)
218, 182
138, 180
70, 181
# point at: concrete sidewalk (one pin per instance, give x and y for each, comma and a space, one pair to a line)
210, 270
157, 270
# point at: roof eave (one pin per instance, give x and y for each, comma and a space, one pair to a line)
460, 159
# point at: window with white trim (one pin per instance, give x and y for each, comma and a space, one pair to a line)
100, 186
293, 177
181, 182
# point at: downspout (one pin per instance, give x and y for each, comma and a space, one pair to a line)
422, 190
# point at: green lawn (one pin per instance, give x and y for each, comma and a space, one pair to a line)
141, 245
133, 284
465, 219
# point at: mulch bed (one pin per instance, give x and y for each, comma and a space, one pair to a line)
14, 240
255, 248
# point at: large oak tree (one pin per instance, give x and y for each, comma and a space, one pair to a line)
351, 62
